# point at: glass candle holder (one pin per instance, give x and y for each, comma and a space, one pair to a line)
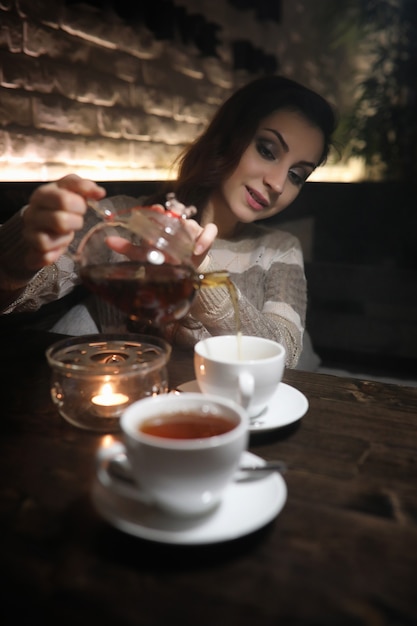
95, 377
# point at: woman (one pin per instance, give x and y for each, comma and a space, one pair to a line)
249, 164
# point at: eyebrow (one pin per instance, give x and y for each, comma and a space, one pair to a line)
286, 147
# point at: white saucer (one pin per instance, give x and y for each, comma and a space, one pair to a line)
247, 505
286, 406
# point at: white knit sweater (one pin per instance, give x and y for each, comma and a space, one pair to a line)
264, 263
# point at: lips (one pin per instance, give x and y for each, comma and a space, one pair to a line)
255, 200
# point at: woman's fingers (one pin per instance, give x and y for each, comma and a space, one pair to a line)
66, 195
44, 250
204, 239
55, 211
81, 186
126, 248
52, 223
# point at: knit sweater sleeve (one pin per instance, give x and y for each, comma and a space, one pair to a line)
267, 271
53, 281
48, 284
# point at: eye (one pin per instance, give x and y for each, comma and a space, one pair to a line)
298, 178
266, 149
295, 178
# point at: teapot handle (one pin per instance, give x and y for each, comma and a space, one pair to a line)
77, 255
103, 212
105, 215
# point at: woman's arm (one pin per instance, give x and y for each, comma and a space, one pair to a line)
34, 265
271, 291
33, 240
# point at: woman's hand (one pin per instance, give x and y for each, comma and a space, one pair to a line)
55, 211
203, 239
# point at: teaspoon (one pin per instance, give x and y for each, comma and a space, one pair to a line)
119, 467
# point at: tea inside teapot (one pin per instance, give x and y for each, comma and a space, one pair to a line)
140, 261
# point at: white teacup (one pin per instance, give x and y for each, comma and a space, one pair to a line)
243, 368
180, 450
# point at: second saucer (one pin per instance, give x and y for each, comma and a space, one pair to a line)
286, 406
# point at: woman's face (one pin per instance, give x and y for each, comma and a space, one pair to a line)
283, 153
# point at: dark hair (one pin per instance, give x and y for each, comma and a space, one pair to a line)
215, 154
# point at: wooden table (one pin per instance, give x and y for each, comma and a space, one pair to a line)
342, 552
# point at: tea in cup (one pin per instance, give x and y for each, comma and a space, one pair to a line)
244, 368
181, 451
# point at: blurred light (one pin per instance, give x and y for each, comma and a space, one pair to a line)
42, 173
351, 171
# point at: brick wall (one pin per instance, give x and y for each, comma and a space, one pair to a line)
82, 89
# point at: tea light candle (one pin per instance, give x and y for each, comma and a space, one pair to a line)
96, 377
108, 403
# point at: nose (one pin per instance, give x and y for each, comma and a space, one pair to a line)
275, 178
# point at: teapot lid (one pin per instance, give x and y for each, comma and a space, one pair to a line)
163, 230
160, 229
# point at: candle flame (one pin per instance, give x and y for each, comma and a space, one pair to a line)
108, 398
106, 389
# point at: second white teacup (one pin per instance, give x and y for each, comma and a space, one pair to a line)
244, 368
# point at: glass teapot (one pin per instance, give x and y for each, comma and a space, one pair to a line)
139, 260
